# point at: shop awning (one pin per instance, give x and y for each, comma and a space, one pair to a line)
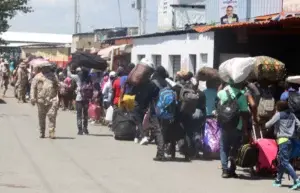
116, 50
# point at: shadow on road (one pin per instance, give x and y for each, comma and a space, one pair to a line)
2, 101
70, 138
101, 135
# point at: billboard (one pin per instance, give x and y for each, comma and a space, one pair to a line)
228, 11
291, 5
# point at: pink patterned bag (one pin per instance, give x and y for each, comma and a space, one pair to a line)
211, 138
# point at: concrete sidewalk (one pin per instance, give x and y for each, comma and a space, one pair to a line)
97, 163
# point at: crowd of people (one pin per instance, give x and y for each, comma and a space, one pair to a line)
261, 108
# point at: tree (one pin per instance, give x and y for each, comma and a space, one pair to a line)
9, 9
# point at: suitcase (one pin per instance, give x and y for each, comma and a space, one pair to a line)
94, 112
123, 125
139, 74
267, 155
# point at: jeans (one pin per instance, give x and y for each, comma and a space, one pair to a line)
158, 127
230, 142
138, 114
284, 165
82, 115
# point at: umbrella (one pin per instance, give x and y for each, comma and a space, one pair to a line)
269, 68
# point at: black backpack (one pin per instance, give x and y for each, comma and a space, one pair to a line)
294, 101
229, 112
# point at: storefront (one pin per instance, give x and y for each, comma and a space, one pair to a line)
117, 55
274, 36
59, 53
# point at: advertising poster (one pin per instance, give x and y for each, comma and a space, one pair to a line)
228, 11
291, 5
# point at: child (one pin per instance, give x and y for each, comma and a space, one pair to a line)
284, 122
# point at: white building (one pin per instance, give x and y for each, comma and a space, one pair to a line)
175, 14
175, 50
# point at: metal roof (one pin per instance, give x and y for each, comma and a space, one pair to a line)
27, 37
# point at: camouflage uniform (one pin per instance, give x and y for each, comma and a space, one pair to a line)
22, 81
44, 90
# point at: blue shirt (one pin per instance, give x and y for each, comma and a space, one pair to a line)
285, 95
210, 95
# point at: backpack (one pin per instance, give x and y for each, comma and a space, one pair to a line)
189, 100
294, 101
229, 112
266, 105
247, 156
166, 104
86, 91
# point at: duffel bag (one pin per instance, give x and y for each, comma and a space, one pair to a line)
207, 73
140, 73
247, 156
123, 125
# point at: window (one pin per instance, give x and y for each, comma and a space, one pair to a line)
175, 61
140, 57
203, 59
193, 62
156, 60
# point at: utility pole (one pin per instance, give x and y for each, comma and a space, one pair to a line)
77, 25
140, 6
144, 16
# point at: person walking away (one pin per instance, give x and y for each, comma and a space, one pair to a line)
44, 93
106, 91
284, 122
22, 82
5, 76
116, 87
84, 94
233, 124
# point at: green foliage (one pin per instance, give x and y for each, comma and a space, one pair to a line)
8, 9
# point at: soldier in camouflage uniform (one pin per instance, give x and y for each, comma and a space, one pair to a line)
22, 81
44, 93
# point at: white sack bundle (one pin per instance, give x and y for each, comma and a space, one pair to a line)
236, 69
38, 63
293, 79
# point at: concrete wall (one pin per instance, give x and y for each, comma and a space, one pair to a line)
201, 45
84, 41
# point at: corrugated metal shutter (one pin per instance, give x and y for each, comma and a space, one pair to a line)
157, 60
176, 64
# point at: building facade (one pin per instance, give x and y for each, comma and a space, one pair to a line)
176, 50
175, 14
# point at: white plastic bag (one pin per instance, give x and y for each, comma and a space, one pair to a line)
236, 69
109, 114
293, 79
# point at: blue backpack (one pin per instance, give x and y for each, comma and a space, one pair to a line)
166, 104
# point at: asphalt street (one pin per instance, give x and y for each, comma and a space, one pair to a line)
97, 163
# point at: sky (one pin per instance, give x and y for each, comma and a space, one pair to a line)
57, 16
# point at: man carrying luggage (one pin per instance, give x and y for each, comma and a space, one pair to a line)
233, 117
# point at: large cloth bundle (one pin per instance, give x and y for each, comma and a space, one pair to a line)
207, 73
293, 79
81, 59
38, 63
236, 70
140, 73
268, 68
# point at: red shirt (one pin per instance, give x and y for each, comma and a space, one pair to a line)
117, 91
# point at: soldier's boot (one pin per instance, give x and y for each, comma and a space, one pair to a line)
52, 133
42, 133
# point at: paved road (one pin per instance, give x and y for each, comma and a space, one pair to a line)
97, 163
